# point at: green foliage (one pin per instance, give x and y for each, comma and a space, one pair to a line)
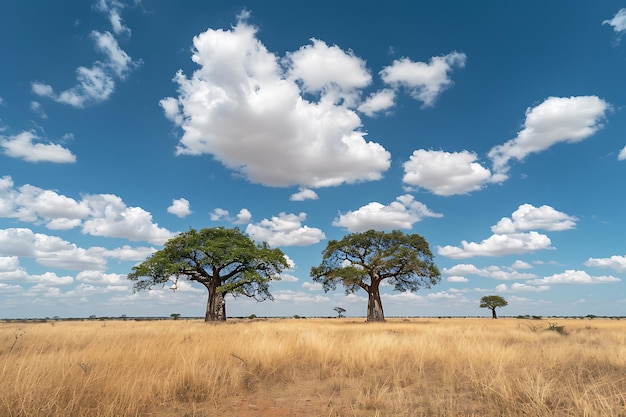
175, 316
340, 311
225, 261
492, 302
363, 260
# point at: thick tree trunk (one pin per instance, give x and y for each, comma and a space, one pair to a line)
216, 305
374, 304
493, 313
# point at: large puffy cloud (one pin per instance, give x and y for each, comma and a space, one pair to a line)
575, 277
244, 108
285, 230
426, 81
615, 262
528, 217
28, 146
98, 215
445, 173
96, 83
400, 214
555, 120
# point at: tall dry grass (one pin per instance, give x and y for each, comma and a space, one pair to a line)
332, 367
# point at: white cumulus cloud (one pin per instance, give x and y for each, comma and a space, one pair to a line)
528, 217
250, 109
575, 277
424, 80
399, 214
498, 245
29, 147
615, 262
285, 230
555, 120
180, 208
445, 173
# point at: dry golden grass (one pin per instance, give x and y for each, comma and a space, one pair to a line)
331, 367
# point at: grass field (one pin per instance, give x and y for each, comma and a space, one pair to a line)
314, 367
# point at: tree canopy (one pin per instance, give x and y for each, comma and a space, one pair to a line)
225, 261
492, 302
364, 260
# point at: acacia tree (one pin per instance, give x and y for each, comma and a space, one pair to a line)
340, 311
364, 260
492, 302
225, 261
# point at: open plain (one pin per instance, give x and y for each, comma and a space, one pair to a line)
314, 367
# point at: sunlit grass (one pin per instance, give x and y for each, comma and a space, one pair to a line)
325, 367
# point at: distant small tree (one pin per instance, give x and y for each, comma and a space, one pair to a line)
340, 311
175, 316
492, 302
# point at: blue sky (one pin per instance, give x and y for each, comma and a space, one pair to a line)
493, 129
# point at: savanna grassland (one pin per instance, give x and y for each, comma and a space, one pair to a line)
314, 367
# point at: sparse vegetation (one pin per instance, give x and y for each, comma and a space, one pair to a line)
492, 302
317, 367
340, 311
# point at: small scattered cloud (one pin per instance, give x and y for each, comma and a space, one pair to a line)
498, 245
113, 9
377, 102
425, 81
516, 235
29, 147
219, 215
457, 278
519, 264
528, 217
180, 208
285, 230
96, 83
445, 173
494, 272
622, 154
555, 120
304, 194
615, 262
400, 214
575, 277
517, 287
618, 22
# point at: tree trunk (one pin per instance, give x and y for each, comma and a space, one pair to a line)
493, 313
216, 305
374, 304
